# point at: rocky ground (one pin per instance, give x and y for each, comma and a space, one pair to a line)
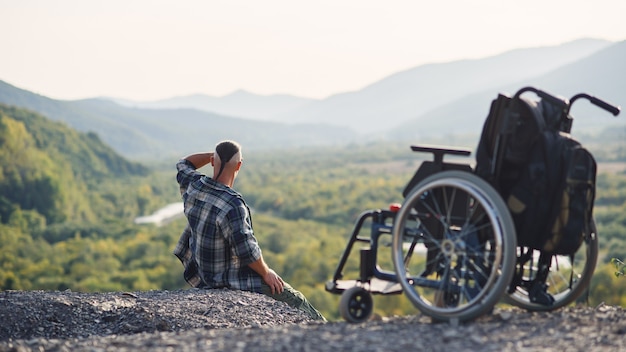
224, 320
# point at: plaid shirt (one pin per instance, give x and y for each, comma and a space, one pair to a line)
218, 242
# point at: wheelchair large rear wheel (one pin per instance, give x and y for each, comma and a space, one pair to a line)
454, 246
568, 279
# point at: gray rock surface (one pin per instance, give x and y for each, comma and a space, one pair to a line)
225, 320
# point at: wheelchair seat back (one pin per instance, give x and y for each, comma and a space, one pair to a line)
546, 178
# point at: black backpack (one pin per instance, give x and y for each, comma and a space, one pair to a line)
546, 178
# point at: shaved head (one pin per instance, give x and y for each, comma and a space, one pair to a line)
228, 152
227, 157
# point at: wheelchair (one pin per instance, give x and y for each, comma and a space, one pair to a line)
453, 242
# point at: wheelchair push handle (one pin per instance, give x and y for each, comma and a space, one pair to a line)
615, 110
563, 103
566, 105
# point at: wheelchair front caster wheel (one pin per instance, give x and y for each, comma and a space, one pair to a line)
356, 305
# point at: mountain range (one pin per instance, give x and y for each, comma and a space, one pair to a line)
142, 133
426, 102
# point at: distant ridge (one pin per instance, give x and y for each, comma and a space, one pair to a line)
434, 101
405, 95
240, 103
140, 133
395, 99
601, 74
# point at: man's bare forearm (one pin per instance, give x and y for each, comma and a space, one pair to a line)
200, 159
260, 267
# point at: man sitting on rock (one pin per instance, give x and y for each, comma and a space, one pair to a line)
218, 248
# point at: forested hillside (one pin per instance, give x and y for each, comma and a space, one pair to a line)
50, 169
68, 202
61, 193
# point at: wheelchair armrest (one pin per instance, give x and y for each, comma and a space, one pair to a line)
439, 152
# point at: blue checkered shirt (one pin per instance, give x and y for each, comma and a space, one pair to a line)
218, 242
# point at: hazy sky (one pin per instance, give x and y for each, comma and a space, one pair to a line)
153, 49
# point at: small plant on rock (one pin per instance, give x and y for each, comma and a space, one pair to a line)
620, 267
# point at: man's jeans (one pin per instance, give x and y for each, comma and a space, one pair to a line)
293, 298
